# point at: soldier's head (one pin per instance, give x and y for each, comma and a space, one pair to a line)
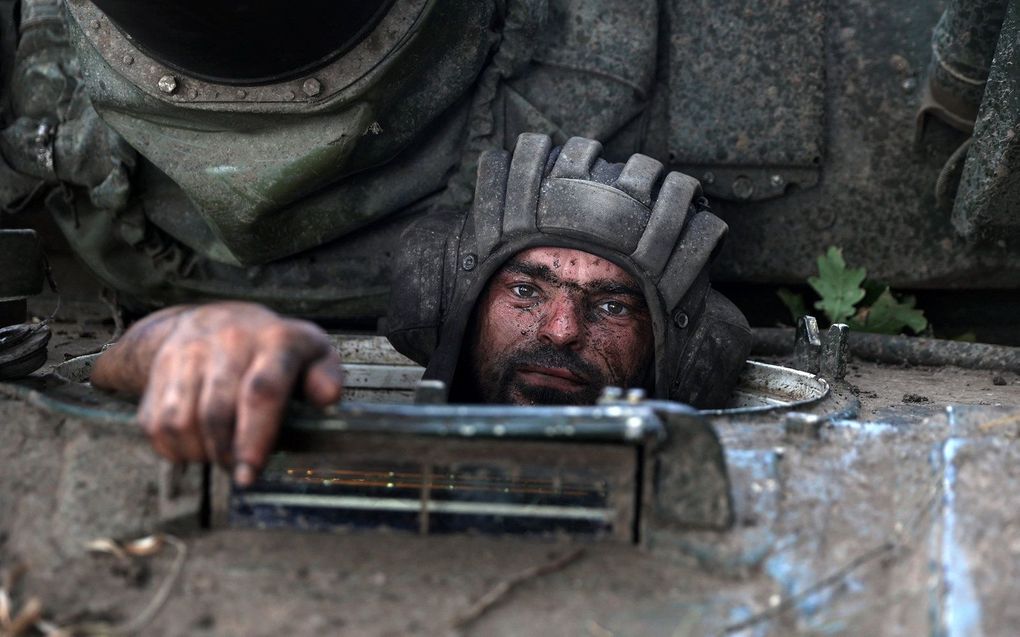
569, 274
555, 326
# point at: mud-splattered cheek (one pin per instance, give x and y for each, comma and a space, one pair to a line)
623, 351
503, 325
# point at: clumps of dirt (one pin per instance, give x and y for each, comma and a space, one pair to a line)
998, 380
915, 399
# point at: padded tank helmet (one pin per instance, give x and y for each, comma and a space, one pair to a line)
653, 224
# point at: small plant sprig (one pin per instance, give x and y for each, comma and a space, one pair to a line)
846, 296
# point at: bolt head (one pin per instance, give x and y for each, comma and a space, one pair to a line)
743, 187
241, 93
127, 59
708, 178
680, 319
777, 181
167, 84
311, 87
289, 96
909, 85
469, 262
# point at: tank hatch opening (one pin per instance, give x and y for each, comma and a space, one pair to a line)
246, 43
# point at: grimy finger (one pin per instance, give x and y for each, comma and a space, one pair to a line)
265, 389
166, 407
217, 405
175, 412
324, 379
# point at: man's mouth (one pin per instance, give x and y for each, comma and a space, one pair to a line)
554, 377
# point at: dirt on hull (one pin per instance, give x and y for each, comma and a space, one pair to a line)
878, 527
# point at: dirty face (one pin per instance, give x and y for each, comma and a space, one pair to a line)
555, 326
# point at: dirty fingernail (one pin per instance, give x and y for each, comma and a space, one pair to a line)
244, 475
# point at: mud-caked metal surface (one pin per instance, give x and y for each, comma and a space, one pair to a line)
894, 525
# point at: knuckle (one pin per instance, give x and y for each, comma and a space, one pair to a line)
279, 332
193, 350
263, 388
170, 419
216, 415
232, 336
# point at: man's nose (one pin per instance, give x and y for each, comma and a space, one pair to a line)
562, 326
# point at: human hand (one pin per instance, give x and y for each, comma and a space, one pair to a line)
215, 380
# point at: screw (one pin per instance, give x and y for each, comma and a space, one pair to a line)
743, 187
680, 319
469, 262
610, 394
127, 59
168, 84
289, 95
241, 93
311, 87
708, 178
777, 180
635, 395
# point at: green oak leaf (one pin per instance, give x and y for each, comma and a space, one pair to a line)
838, 285
794, 303
887, 315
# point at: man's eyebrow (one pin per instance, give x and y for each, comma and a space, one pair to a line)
599, 286
606, 286
534, 270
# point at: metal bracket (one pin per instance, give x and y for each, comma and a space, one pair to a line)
688, 485
826, 358
807, 346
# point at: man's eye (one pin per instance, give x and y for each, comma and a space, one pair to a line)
614, 308
523, 291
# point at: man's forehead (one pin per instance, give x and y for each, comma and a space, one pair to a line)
575, 266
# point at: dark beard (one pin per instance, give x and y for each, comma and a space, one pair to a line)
503, 383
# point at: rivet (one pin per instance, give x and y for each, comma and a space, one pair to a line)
241, 93
909, 85
469, 262
743, 187
708, 178
311, 87
127, 59
777, 181
289, 96
680, 319
167, 84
